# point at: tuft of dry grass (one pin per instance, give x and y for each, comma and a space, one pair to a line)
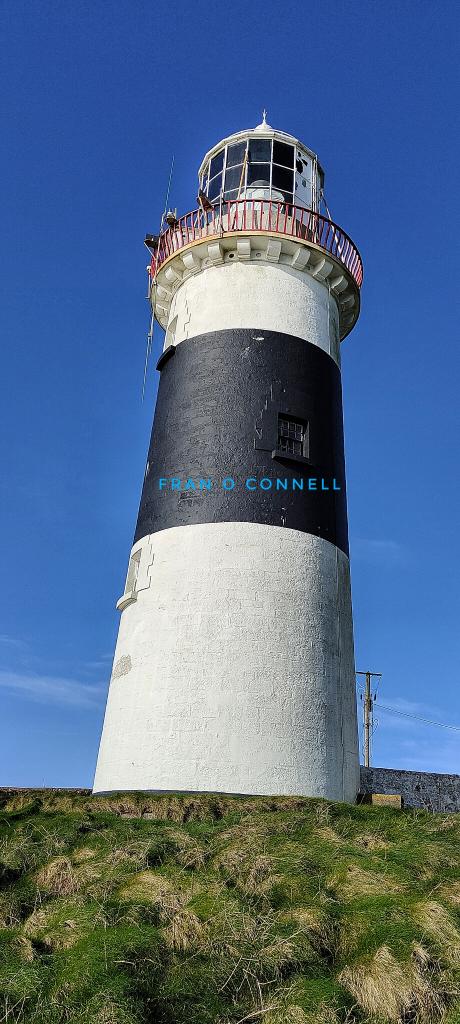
103, 1009
322, 931
326, 1014
25, 949
435, 859
437, 922
133, 853
323, 812
282, 1013
399, 991
147, 886
358, 882
59, 878
185, 931
371, 842
451, 892
82, 854
57, 925
257, 873
329, 834
155, 890
251, 873
189, 854
10, 910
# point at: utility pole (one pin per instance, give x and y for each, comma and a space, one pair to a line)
368, 709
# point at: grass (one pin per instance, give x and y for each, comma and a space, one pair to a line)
170, 909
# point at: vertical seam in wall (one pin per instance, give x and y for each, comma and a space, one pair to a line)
187, 318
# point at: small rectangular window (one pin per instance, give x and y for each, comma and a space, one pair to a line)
292, 436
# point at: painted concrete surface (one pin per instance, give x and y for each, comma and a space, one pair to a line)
247, 295
234, 667
220, 400
431, 791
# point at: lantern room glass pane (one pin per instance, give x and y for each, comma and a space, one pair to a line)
235, 154
283, 154
260, 150
283, 179
259, 172
233, 177
217, 163
215, 187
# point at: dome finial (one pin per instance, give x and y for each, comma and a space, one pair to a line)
264, 125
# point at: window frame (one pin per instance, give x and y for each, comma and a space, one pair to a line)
289, 194
283, 453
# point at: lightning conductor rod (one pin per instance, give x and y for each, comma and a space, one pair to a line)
151, 295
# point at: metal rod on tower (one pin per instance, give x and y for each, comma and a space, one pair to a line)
368, 712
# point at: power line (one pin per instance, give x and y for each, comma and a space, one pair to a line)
418, 718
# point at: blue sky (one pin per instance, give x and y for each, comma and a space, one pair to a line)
95, 99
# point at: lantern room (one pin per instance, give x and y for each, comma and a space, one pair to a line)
262, 163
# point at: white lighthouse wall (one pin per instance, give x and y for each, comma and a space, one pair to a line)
234, 667
242, 294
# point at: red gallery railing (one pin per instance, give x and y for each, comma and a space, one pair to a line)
260, 215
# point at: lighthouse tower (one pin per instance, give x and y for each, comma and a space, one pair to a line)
234, 665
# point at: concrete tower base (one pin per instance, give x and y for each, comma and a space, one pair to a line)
198, 703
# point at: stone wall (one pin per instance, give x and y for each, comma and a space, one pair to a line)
427, 790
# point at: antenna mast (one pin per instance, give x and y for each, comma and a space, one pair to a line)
153, 290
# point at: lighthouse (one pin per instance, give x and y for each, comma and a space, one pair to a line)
234, 664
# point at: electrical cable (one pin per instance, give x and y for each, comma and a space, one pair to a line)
418, 718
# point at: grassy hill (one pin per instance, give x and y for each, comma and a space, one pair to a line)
218, 910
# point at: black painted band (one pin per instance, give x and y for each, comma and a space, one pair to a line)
217, 416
